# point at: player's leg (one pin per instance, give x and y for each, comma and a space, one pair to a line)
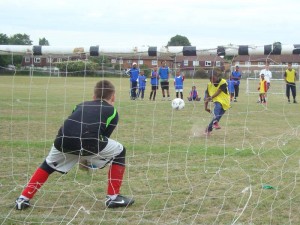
288, 91
218, 113
133, 89
181, 94
176, 93
236, 92
154, 94
115, 153
143, 93
293, 89
162, 84
55, 161
168, 92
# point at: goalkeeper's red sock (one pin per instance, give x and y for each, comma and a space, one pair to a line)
37, 180
115, 178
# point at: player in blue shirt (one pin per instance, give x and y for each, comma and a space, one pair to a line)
154, 84
142, 84
134, 74
194, 96
236, 77
164, 73
178, 83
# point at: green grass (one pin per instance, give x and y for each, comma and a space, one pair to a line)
175, 173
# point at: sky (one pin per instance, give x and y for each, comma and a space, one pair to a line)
129, 23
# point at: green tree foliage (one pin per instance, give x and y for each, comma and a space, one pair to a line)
4, 40
16, 39
179, 40
43, 41
20, 39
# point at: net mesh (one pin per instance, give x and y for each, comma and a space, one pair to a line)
246, 172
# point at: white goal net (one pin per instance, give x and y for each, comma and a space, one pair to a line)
247, 172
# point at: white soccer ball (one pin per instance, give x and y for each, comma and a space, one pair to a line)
177, 104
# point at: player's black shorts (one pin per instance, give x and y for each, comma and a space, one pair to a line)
154, 87
164, 85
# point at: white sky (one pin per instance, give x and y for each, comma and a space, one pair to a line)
128, 23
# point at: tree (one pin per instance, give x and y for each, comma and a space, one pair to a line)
3, 39
179, 40
43, 41
20, 39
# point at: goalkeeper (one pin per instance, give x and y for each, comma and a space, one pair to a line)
217, 91
84, 137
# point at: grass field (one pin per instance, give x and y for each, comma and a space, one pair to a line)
245, 173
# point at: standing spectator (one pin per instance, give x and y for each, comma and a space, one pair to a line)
194, 96
142, 85
290, 76
178, 83
134, 74
263, 88
85, 137
217, 91
154, 83
164, 73
235, 78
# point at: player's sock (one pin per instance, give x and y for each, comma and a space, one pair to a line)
181, 95
115, 178
37, 180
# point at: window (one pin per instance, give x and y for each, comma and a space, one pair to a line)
247, 63
154, 63
59, 59
129, 61
141, 62
37, 60
113, 60
186, 62
195, 63
49, 60
218, 63
261, 63
27, 59
121, 61
207, 63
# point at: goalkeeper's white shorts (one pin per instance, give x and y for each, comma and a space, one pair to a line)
64, 162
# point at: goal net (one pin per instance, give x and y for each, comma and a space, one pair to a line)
244, 173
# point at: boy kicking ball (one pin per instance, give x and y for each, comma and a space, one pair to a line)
217, 92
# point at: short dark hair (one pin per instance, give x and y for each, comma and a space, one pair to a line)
104, 89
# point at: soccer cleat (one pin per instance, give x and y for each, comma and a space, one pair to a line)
120, 201
235, 100
295, 101
22, 204
216, 125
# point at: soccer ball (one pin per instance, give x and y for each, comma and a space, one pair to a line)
177, 104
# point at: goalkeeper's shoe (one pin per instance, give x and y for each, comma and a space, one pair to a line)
120, 201
22, 204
